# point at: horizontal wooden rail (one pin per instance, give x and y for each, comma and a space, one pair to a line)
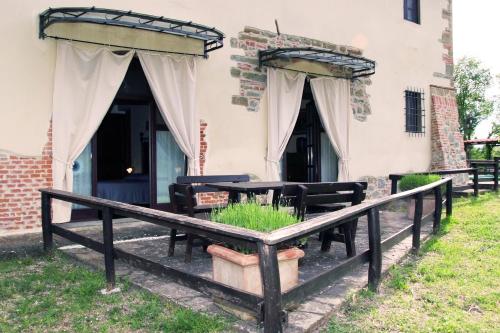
77, 238
488, 167
436, 172
206, 228
485, 162
333, 219
395, 177
202, 284
294, 296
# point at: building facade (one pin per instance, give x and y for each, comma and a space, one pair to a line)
402, 118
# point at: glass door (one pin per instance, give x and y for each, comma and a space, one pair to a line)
168, 162
84, 181
329, 160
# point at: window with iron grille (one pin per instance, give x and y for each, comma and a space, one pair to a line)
412, 10
414, 109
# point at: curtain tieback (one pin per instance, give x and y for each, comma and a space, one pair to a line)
271, 160
67, 164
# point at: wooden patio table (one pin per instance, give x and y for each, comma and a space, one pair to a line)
250, 188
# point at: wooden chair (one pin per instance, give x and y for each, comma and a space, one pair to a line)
183, 199
313, 198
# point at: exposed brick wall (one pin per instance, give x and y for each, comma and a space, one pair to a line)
20, 179
253, 80
203, 146
213, 198
447, 142
447, 41
207, 198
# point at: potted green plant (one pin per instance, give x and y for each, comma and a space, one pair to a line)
239, 267
410, 182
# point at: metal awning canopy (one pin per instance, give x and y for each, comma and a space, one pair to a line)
74, 19
357, 66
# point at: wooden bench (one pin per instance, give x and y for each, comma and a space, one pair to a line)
327, 197
183, 198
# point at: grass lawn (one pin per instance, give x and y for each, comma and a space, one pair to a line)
453, 285
52, 294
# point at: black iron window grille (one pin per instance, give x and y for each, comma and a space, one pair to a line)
412, 10
414, 111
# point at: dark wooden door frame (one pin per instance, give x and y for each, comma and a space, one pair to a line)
314, 129
153, 181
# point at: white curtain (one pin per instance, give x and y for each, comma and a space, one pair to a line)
85, 85
333, 100
284, 95
173, 82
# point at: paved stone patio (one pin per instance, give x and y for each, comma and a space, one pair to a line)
311, 314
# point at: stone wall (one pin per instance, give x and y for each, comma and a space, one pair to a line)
378, 187
447, 41
447, 142
253, 79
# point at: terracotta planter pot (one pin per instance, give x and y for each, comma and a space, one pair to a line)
242, 271
428, 206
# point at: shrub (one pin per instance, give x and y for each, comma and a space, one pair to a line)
253, 216
409, 182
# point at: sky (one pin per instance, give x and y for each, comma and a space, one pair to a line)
475, 34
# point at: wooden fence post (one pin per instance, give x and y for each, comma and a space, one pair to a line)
417, 221
438, 209
47, 222
476, 181
109, 253
449, 198
496, 160
271, 288
374, 243
394, 184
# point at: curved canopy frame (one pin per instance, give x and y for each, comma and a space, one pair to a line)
359, 66
212, 38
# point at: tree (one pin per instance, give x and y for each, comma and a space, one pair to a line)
472, 81
495, 126
495, 130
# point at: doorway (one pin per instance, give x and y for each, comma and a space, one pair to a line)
123, 153
133, 157
309, 155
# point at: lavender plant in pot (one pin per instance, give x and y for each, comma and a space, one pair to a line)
239, 267
410, 182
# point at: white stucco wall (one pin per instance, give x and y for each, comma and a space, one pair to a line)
407, 55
